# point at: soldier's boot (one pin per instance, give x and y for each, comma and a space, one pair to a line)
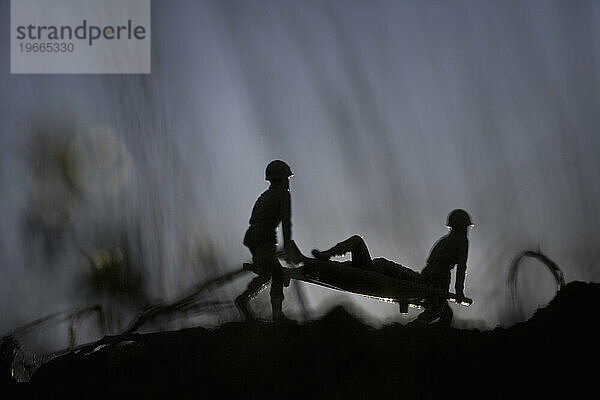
338, 250
427, 317
446, 316
242, 304
348, 245
320, 255
278, 315
250, 267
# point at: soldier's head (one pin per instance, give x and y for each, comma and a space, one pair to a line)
278, 172
459, 220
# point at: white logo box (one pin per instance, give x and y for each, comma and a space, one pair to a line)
80, 36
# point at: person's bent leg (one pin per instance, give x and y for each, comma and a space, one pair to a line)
262, 258
277, 291
253, 288
265, 256
446, 314
438, 305
354, 245
432, 312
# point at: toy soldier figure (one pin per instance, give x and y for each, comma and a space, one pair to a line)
272, 208
447, 252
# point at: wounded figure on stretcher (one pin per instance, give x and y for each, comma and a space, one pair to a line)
447, 252
361, 258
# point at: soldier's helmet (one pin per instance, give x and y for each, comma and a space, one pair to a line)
277, 170
459, 219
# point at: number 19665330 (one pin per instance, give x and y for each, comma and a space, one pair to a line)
47, 47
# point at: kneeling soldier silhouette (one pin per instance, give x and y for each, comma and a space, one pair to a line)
452, 249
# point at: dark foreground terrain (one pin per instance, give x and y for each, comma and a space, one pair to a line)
552, 355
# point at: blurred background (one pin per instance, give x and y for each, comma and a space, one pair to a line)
127, 190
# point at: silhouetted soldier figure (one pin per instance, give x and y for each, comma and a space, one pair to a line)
271, 208
447, 252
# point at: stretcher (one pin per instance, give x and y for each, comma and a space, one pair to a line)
345, 277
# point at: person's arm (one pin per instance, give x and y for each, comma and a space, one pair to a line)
286, 217
461, 268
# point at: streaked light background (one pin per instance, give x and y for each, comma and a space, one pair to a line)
391, 114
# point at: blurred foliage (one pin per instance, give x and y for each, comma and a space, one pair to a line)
67, 165
54, 185
113, 273
53, 160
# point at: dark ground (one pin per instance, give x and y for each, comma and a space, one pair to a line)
552, 355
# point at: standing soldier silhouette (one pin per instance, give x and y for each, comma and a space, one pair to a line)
271, 208
447, 252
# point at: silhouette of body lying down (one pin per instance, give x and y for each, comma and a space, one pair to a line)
361, 258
